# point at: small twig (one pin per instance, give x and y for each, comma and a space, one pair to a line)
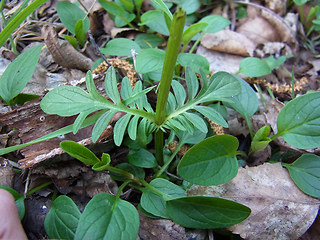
26, 186
95, 46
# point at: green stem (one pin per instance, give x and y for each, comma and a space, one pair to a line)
170, 60
166, 165
123, 173
123, 185
38, 188
250, 127
196, 43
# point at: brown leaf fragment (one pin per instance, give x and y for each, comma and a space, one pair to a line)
280, 210
64, 54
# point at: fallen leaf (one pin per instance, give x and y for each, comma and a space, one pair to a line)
280, 210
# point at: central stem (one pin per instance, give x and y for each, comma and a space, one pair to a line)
173, 48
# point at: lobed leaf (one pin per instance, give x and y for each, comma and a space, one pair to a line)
197, 121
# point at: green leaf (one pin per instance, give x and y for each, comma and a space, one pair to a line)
246, 103
103, 164
148, 40
92, 88
79, 32
206, 212
299, 121
155, 20
260, 140
126, 89
62, 220
215, 23
179, 92
305, 172
22, 98
194, 61
18, 73
68, 100
69, 14
197, 121
124, 20
188, 125
190, 6
120, 47
106, 217
300, 2
212, 114
163, 7
132, 127
191, 31
192, 83
112, 8
19, 198
72, 40
128, 5
110, 85
136, 171
155, 203
211, 162
174, 124
254, 67
79, 120
101, 125
142, 158
274, 63
120, 128
18, 19
150, 60
79, 152
194, 138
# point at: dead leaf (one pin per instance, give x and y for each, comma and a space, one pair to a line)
229, 42
277, 6
64, 54
280, 210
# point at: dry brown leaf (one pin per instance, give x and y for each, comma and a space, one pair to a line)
64, 54
228, 42
280, 210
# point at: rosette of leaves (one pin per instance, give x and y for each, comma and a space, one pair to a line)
181, 107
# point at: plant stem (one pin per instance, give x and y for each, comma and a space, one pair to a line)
38, 188
171, 56
196, 43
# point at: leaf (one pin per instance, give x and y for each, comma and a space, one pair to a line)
112, 8
136, 171
149, 60
260, 140
110, 85
68, 100
128, 5
72, 40
69, 14
206, 212
299, 121
254, 67
79, 32
194, 138
191, 31
103, 164
212, 114
197, 121
106, 217
79, 152
190, 6
101, 124
156, 203
163, 7
19, 198
132, 127
179, 92
210, 162
142, 158
18, 73
246, 103
192, 83
194, 61
215, 23
305, 172
124, 20
120, 47
120, 128
155, 20
92, 88
62, 220
148, 40
272, 197
126, 89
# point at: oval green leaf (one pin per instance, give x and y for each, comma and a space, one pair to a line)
120, 47
305, 172
194, 61
299, 121
106, 217
150, 60
62, 220
215, 23
206, 212
210, 162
